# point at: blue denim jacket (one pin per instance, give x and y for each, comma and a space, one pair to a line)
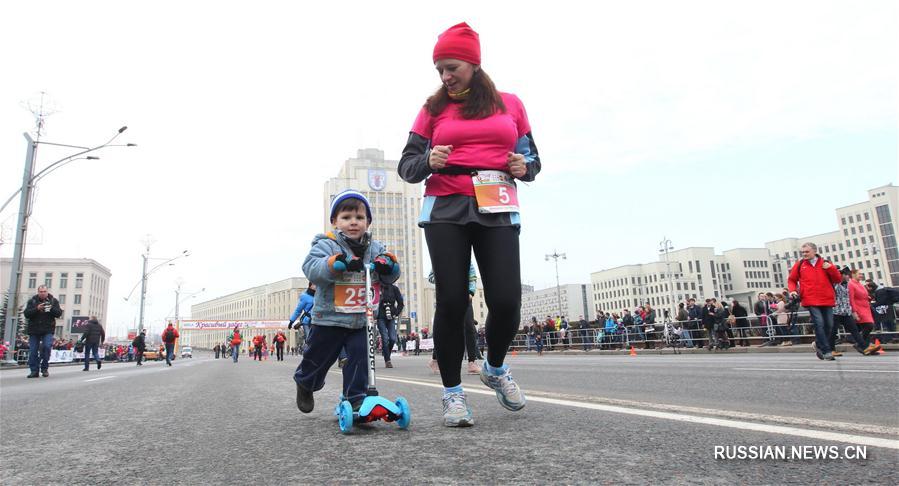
316, 269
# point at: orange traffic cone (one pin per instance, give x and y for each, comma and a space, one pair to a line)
633, 351
880, 350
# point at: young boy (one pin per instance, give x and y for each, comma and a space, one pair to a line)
335, 265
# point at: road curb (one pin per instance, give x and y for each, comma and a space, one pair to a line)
799, 348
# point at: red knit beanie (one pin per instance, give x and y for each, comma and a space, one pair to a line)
458, 42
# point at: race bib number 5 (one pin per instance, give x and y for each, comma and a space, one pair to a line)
349, 293
495, 192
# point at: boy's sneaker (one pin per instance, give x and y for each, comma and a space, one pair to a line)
473, 368
305, 402
836, 353
829, 357
818, 352
456, 412
507, 391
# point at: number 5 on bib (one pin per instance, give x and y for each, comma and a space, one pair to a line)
495, 192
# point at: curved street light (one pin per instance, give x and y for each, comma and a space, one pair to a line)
26, 196
143, 280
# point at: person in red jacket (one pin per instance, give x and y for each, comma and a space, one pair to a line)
812, 278
279, 341
168, 338
257, 348
862, 316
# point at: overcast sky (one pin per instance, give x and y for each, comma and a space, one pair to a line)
724, 124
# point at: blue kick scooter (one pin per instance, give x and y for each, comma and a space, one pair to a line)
374, 407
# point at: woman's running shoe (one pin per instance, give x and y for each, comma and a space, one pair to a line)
507, 391
456, 412
473, 368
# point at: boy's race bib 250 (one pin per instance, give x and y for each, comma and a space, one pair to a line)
349, 293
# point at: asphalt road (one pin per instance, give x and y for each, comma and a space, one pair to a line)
589, 419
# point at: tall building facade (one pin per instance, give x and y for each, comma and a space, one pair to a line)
866, 239
695, 272
572, 300
396, 206
80, 284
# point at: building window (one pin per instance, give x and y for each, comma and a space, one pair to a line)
79, 280
48, 279
77, 298
32, 280
63, 280
61, 298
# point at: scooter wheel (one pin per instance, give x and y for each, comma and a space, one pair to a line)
345, 416
405, 414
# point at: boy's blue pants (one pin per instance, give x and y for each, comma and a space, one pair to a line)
323, 344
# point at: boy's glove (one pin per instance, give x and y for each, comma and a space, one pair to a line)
385, 264
340, 264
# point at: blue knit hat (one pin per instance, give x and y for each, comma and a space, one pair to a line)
349, 194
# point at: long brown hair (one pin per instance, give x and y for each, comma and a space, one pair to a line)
483, 101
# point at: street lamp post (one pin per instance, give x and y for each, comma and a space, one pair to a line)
664, 246
145, 274
178, 299
555, 256
26, 201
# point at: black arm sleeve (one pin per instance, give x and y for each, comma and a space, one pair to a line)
413, 167
533, 160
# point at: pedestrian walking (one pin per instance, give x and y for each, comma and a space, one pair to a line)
279, 341
336, 264
235, 339
41, 313
812, 279
471, 142
169, 336
140, 345
389, 308
93, 337
861, 323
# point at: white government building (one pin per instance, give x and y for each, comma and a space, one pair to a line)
866, 239
80, 284
572, 300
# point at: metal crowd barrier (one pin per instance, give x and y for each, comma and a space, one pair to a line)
753, 330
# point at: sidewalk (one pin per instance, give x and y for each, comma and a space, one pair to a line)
798, 348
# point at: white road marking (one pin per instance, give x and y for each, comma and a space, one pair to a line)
100, 378
834, 370
735, 424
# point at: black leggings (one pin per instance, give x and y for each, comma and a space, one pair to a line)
471, 337
497, 253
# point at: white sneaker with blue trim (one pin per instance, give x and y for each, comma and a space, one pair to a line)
508, 393
456, 412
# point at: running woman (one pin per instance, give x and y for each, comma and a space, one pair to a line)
471, 142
